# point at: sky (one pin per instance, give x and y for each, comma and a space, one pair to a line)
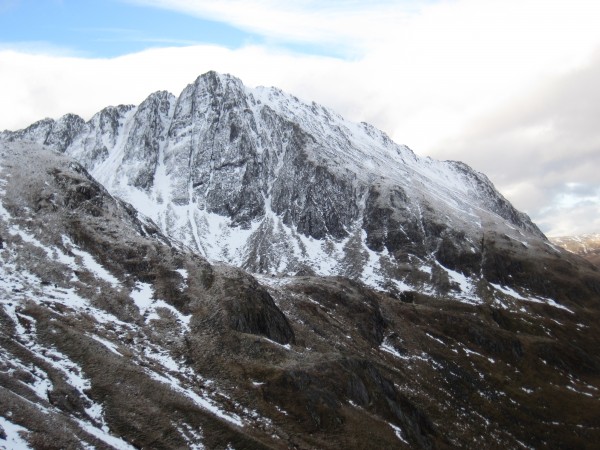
510, 87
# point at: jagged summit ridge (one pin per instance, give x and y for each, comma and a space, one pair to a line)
260, 179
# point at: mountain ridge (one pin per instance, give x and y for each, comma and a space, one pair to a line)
264, 181
585, 245
115, 336
451, 327
59, 134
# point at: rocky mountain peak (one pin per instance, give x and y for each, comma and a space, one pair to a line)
265, 181
218, 84
394, 301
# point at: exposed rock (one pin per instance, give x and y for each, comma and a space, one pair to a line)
115, 334
247, 307
266, 182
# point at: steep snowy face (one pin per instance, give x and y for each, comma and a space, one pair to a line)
262, 180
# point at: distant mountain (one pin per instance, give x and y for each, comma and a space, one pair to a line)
261, 180
380, 299
585, 245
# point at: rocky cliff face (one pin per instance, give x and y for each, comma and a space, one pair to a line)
113, 335
261, 180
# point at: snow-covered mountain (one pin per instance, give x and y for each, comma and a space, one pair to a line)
114, 336
262, 180
119, 328
585, 245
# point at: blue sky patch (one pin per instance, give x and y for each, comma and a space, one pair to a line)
111, 28
107, 28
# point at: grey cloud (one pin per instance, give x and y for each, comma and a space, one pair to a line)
582, 190
543, 148
576, 219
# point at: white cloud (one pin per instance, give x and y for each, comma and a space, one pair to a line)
509, 87
346, 24
34, 86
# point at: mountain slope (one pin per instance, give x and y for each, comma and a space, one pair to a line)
261, 180
115, 336
586, 245
98, 309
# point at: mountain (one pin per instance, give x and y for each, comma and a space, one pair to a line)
261, 180
115, 336
586, 245
234, 268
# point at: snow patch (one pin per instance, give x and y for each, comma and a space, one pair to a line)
435, 339
466, 286
109, 345
105, 436
508, 291
142, 296
392, 351
541, 300
14, 435
398, 432
202, 402
70, 370
184, 274
95, 268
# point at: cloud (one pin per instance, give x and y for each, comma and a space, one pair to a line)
571, 215
542, 149
34, 86
421, 64
39, 48
342, 24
